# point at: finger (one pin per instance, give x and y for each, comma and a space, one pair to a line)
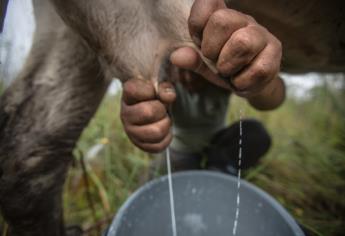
166, 93
151, 133
263, 69
154, 147
220, 26
143, 113
187, 58
270, 97
138, 90
200, 12
243, 46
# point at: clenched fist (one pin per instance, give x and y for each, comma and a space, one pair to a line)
144, 114
247, 56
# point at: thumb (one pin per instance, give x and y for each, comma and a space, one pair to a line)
189, 59
166, 93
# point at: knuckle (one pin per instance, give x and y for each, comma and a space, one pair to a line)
147, 112
243, 42
225, 68
158, 132
261, 72
219, 18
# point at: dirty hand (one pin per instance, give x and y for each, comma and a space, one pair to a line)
144, 114
244, 52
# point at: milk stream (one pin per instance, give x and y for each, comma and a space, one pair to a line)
238, 198
171, 194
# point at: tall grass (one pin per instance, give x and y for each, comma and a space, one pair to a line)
304, 170
112, 172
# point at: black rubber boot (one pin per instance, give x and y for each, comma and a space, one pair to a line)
223, 151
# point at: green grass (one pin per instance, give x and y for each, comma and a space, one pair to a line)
112, 175
304, 170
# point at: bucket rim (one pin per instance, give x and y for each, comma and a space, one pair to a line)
290, 221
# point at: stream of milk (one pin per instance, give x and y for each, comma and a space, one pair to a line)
171, 194
238, 198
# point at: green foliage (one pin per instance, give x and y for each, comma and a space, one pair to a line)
2, 87
305, 169
112, 173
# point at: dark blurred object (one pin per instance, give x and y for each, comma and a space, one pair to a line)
224, 148
3, 9
74, 230
222, 152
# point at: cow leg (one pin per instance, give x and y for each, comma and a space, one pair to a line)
42, 115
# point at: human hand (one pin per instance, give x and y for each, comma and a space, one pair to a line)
244, 52
144, 114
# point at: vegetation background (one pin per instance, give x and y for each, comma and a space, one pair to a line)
304, 170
